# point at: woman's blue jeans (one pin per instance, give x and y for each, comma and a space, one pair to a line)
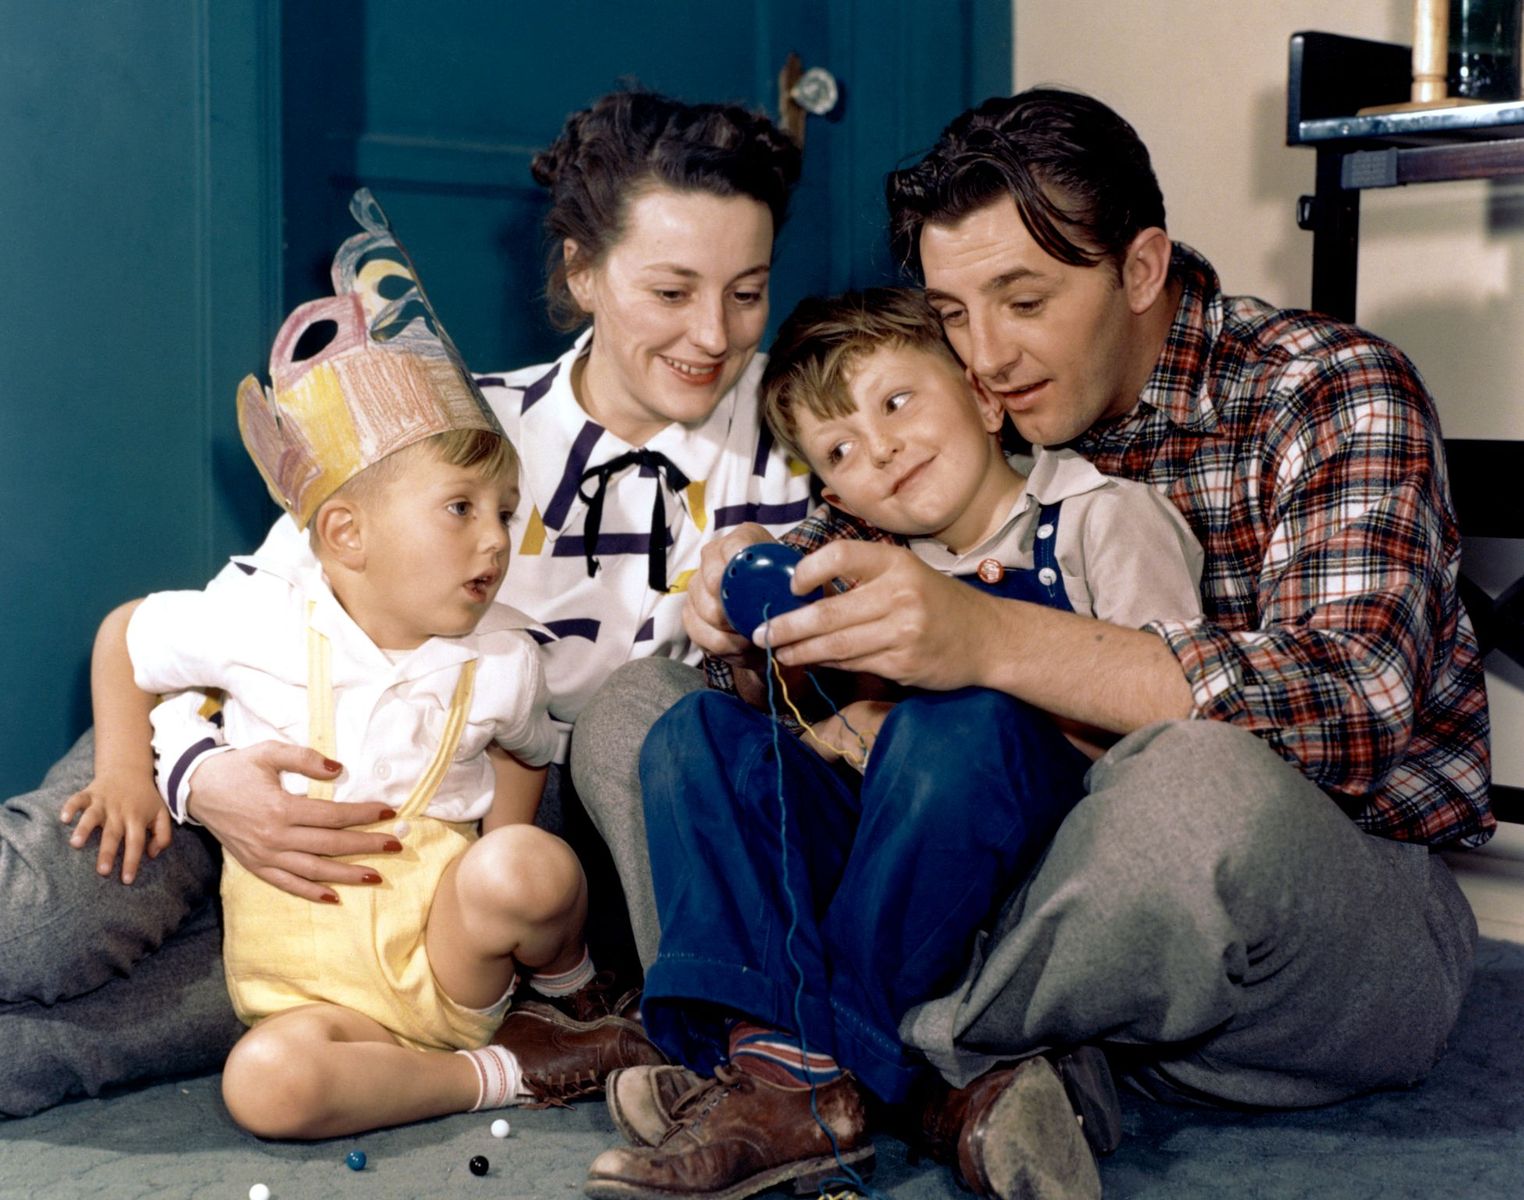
795, 893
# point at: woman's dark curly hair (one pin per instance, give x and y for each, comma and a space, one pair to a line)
1079, 174
628, 141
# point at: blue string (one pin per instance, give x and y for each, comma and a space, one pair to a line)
849, 1177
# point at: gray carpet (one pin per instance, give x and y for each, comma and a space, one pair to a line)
1460, 1135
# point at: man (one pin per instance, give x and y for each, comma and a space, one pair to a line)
1243, 910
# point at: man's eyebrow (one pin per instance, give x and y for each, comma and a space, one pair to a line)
1015, 275
998, 284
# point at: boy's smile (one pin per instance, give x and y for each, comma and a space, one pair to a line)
917, 456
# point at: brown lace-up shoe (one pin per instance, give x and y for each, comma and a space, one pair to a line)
641, 1100
1014, 1133
738, 1135
564, 1060
602, 996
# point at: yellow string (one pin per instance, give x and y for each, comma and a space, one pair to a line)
858, 763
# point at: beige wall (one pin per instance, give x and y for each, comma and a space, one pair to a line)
1442, 265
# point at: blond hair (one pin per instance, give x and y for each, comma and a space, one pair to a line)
491, 454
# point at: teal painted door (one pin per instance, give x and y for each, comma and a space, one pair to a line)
141, 275
439, 109
176, 180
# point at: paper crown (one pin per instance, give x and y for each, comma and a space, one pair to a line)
356, 376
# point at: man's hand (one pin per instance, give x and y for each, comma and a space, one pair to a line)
903, 621
125, 808
704, 613
289, 841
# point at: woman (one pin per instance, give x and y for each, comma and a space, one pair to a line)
642, 444
663, 217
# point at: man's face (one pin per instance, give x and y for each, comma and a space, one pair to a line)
1053, 342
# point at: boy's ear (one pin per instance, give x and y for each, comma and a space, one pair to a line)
835, 501
991, 410
1145, 268
339, 528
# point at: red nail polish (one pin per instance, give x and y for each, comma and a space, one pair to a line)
387, 814
370, 877
391, 846
329, 898
333, 766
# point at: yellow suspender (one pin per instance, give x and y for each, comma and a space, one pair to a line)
320, 733
320, 727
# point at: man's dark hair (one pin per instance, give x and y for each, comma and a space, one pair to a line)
1079, 174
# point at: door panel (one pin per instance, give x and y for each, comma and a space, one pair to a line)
441, 118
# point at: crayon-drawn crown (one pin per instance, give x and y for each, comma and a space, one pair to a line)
356, 376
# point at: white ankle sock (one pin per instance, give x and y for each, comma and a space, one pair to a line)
564, 983
499, 1078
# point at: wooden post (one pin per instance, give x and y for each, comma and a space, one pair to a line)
1431, 47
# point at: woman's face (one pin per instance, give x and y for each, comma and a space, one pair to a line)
678, 306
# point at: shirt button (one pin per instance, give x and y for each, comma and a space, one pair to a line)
383, 771
402, 829
1047, 577
1045, 530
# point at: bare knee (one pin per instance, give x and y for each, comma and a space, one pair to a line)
523, 871
273, 1085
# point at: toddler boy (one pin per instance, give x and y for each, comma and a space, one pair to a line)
365, 626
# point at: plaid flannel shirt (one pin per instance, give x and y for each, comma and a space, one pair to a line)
1306, 456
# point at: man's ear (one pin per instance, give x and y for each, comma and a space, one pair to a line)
1145, 268
340, 530
578, 280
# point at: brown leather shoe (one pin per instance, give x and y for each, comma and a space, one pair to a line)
736, 1136
1013, 1134
565, 1059
602, 996
641, 1100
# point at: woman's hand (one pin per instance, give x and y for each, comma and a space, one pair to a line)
126, 808
289, 841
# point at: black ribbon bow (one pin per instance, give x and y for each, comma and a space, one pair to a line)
659, 464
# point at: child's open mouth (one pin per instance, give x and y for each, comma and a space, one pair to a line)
480, 588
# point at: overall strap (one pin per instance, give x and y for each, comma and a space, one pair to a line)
320, 725
1045, 554
320, 721
455, 724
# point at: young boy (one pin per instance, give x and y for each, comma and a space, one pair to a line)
865, 388
365, 627
788, 965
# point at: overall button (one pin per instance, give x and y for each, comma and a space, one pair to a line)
991, 570
1045, 530
402, 829
1047, 577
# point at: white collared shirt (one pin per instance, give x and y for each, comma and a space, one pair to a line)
246, 633
1125, 553
595, 624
